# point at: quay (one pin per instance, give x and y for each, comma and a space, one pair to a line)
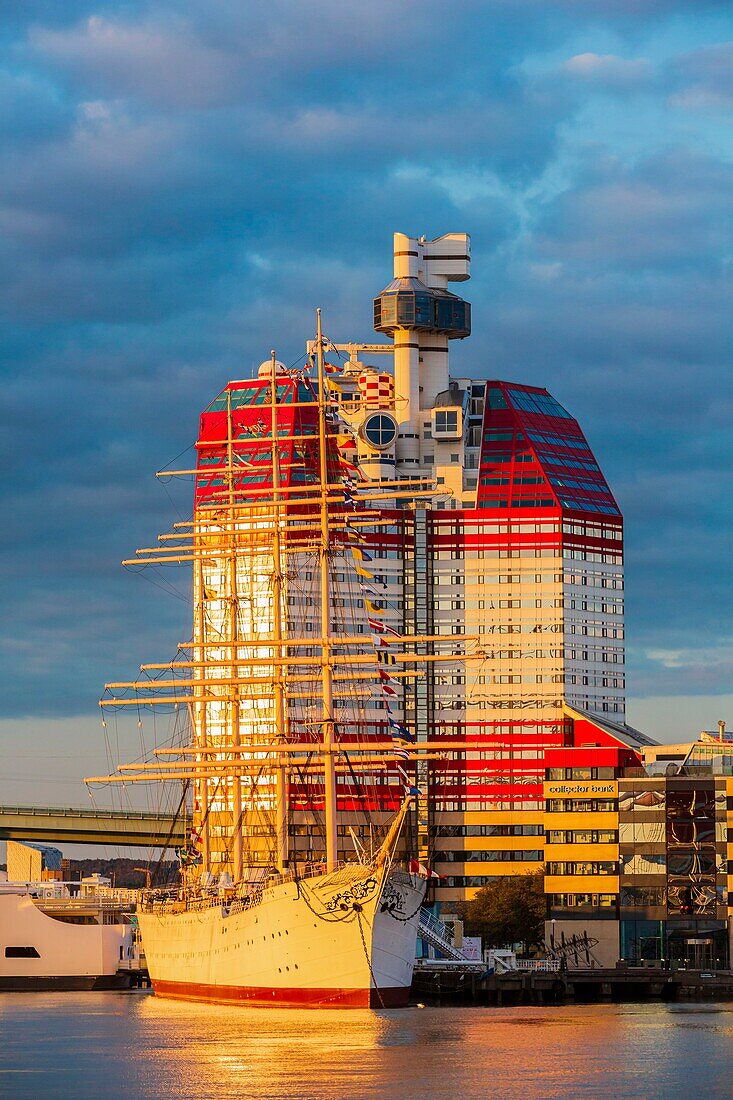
435, 983
536, 987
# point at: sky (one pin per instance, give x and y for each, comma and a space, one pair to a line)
183, 183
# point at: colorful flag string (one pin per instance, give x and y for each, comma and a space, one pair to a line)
382, 635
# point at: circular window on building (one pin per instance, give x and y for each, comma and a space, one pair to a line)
379, 430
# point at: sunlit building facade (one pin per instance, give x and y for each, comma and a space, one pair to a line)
519, 559
637, 853
523, 552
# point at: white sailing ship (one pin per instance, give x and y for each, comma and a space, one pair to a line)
278, 690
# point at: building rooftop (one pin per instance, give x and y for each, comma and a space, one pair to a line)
627, 735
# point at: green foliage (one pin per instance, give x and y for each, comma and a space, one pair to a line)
510, 910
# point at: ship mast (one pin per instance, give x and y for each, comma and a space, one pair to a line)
199, 692
328, 725
236, 779
281, 784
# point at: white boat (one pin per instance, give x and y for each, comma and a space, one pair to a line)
62, 943
339, 940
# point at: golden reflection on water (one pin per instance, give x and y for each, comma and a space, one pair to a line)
622, 1051
136, 1045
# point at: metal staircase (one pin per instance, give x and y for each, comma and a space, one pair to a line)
433, 931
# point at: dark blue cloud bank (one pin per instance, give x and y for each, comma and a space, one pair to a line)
183, 183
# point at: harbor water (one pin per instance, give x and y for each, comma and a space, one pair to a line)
134, 1045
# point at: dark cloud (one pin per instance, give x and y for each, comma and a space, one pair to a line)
626, 275
703, 79
664, 212
184, 183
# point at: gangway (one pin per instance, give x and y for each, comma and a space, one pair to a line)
433, 931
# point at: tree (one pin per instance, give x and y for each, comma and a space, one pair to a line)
510, 910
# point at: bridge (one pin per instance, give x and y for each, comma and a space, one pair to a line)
70, 826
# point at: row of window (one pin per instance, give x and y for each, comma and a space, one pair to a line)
580, 805
607, 558
541, 403
549, 459
512, 703
592, 653
486, 830
581, 773
489, 579
597, 681
592, 530
582, 901
588, 504
582, 867
521, 603
482, 856
555, 440
491, 527
595, 629
467, 803
526, 480
595, 580
532, 551
613, 606
581, 836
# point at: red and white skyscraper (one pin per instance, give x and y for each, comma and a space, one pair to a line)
521, 551
525, 551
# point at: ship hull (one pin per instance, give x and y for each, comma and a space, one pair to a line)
292, 997
345, 940
68, 983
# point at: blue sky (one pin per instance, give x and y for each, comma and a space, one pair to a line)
183, 183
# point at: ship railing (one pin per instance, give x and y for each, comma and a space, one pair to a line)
235, 899
89, 902
542, 965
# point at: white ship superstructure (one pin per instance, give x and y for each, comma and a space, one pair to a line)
52, 941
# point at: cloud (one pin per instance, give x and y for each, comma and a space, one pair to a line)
708, 671
609, 71
665, 211
184, 183
703, 79
164, 64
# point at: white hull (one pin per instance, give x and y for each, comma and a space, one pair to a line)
340, 940
38, 952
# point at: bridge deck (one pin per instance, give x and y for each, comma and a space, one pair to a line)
88, 826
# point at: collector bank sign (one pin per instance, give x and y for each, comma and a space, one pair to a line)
571, 788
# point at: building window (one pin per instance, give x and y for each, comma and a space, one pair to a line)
380, 430
445, 420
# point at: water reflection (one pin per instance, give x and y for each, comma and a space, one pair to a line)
135, 1045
